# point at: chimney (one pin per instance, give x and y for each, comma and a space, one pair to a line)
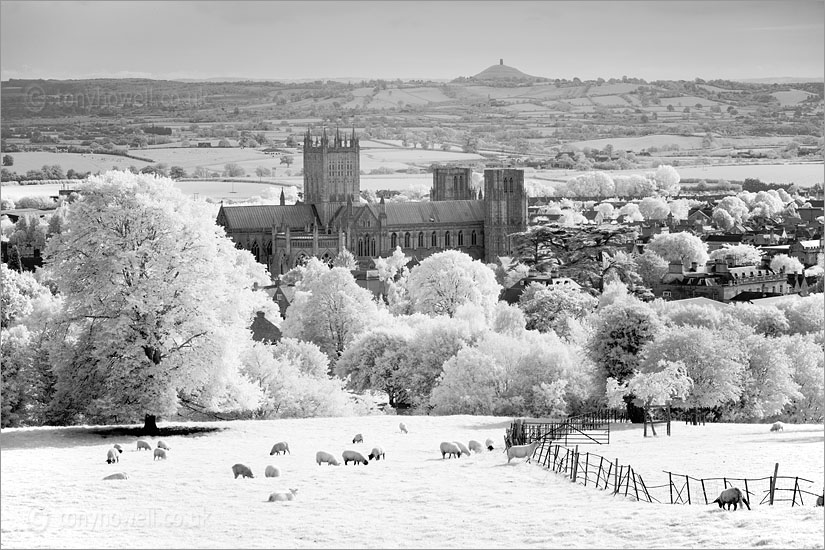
501, 61
693, 266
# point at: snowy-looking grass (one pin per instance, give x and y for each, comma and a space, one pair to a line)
53, 494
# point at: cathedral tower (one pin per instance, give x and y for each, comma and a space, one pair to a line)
452, 184
505, 211
332, 169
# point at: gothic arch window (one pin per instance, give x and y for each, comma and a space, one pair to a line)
393, 241
473, 238
361, 246
327, 259
300, 260
455, 182
269, 249
434, 240
372, 247
460, 238
446, 239
256, 252
421, 239
406, 240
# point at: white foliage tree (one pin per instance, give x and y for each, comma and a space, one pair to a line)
667, 179
682, 247
654, 208
782, 263
738, 254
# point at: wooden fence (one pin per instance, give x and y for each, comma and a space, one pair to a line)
590, 428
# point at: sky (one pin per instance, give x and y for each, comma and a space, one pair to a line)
423, 39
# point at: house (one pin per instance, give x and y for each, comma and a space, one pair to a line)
718, 281
264, 331
806, 251
513, 294
716, 242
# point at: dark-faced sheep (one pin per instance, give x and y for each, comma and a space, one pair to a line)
111, 456
280, 447
323, 456
778, 427
377, 453
272, 471
118, 447
358, 438
731, 496
281, 497
355, 457
241, 470
143, 445
160, 454
402, 427
489, 444
120, 475
162, 445
474, 446
522, 451
451, 449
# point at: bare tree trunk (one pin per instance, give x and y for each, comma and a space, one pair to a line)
150, 425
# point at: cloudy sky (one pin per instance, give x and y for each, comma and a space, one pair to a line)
657, 39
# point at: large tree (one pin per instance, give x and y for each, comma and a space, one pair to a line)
679, 247
157, 304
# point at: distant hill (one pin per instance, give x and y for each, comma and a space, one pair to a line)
780, 80
502, 72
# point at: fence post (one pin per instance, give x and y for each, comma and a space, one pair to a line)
575, 463
616, 478
668, 419
724, 483
586, 467
670, 485
795, 489
687, 482
704, 494
747, 492
599, 475
773, 481
635, 486
627, 485
644, 487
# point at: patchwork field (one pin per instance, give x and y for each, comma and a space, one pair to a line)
23, 162
412, 499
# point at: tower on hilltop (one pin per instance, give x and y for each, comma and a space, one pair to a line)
505, 210
332, 169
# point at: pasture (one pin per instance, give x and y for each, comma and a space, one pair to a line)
53, 489
81, 162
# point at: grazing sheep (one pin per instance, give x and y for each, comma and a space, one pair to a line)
731, 495
521, 451
323, 456
160, 453
162, 445
402, 427
377, 453
463, 447
358, 438
451, 449
119, 448
819, 500
778, 427
111, 456
241, 470
280, 447
489, 444
280, 497
141, 444
121, 475
272, 471
355, 457
475, 446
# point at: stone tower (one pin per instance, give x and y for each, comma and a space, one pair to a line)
452, 184
505, 210
332, 169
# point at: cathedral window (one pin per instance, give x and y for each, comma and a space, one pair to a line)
393, 241
460, 238
421, 240
406, 240
447, 239
473, 238
433, 240
372, 247
256, 251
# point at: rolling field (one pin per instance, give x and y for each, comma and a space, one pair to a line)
80, 162
412, 499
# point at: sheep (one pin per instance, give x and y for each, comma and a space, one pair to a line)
160, 453
272, 471
778, 427
241, 470
731, 495
119, 448
355, 457
489, 444
819, 500
451, 449
402, 427
323, 456
377, 453
141, 444
521, 451
358, 438
463, 447
280, 497
475, 446
162, 445
280, 447
111, 456
121, 475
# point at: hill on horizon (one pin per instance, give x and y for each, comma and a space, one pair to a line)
502, 72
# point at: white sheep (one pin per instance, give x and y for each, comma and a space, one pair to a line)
521, 451
280, 497
280, 447
489, 444
358, 438
732, 496
463, 447
162, 445
121, 475
377, 453
272, 471
111, 456
475, 446
778, 427
241, 470
141, 445
402, 427
355, 457
451, 449
323, 456
160, 453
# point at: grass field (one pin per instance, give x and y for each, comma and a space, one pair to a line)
53, 494
23, 162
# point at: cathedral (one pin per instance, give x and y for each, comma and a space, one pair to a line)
332, 217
